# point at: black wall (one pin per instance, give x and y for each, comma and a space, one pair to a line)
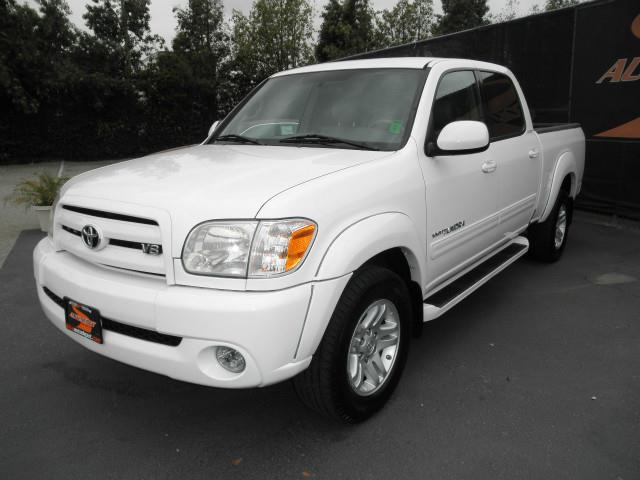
560, 59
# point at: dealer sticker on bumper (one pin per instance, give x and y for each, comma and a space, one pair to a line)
83, 320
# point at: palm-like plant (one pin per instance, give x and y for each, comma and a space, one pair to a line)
37, 192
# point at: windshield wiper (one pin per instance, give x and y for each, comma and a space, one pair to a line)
232, 137
323, 139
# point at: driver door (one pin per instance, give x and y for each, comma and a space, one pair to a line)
462, 189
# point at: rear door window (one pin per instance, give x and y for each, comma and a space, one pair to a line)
501, 104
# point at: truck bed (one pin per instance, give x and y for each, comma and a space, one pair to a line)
553, 127
556, 141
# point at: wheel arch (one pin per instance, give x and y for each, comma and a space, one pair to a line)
382, 237
389, 240
564, 178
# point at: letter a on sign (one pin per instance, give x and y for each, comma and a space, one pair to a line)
614, 74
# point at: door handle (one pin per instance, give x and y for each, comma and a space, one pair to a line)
489, 166
533, 153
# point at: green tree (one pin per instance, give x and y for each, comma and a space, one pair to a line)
508, 12
173, 107
347, 28
201, 29
56, 37
203, 39
55, 31
408, 21
189, 78
555, 4
121, 34
333, 32
35, 75
109, 93
19, 74
276, 35
461, 15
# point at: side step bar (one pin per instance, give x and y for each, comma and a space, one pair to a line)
441, 301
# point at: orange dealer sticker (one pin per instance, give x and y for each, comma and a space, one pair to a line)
83, 320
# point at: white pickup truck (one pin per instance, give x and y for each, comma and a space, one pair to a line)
329, 215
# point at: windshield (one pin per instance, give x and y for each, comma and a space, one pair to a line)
367, 108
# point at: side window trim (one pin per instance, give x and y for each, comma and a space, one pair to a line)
507, 136
429, 137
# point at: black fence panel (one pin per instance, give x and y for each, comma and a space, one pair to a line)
578, 64
606, 101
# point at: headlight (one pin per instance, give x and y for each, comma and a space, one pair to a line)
248, 248
219, 248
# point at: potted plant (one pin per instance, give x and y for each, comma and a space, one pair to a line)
39, 194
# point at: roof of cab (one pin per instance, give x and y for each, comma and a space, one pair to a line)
395, 62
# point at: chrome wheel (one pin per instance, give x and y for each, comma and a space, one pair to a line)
561, 227
373, 348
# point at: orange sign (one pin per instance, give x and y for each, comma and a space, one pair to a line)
635, 26
624, 70
626, 130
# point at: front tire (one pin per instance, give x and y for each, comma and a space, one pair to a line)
364, 349
548, 239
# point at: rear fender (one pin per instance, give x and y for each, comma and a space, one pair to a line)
566, 165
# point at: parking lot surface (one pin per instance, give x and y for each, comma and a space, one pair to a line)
535, 376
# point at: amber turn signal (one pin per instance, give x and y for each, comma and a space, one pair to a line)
298, 245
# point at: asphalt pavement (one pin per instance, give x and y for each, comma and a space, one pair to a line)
535, 376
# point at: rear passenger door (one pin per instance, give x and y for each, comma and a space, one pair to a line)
462, 194
515, 149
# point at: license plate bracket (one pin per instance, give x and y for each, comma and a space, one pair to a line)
83, 320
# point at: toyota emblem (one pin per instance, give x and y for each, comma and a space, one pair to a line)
90, 236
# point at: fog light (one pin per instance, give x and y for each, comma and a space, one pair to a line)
230, 359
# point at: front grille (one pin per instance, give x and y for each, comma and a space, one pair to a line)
125, 243
123, 328
72, 231
109, 215
114, 241
131, 243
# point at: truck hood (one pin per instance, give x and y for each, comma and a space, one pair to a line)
206, 182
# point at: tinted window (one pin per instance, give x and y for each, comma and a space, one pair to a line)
502, 110
456, 99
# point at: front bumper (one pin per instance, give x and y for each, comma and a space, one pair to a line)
266, 327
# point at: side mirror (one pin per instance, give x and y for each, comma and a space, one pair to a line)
213, 127
463, 136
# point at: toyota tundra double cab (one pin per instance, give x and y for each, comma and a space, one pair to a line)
332, 212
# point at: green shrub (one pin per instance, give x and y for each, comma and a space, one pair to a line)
39, 192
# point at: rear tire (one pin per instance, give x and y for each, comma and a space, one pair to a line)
364, 349
548, 239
